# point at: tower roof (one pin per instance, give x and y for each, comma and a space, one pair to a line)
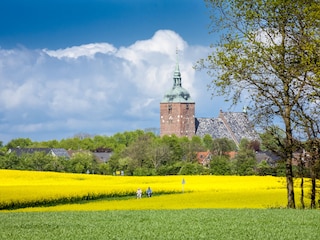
177, 94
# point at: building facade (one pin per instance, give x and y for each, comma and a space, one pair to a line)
177, 110
177, 117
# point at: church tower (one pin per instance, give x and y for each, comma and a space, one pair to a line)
177, 110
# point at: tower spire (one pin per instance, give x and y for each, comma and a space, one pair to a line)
177, 109
177, 74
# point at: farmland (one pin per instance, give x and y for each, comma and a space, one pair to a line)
81, 206
30, 189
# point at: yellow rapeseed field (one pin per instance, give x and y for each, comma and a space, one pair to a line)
196, 192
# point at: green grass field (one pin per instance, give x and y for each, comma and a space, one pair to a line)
163, 224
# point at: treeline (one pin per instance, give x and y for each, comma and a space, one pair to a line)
142, 153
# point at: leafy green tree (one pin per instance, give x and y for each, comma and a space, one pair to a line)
83, 162
197, 144
263, 169
221, 146
245, 161
220, 165
281, 169
71, 143
144, 172
207, 142
175, 148
114, 161
139, 151
191, 147
269, 52
10, 161
87, 144
273, 139
189, 168
37, 161
159, 153
127, 138
170, 169
51, 144
3, 149
127, 165
19, 142
104, 142
104, 169
56, 164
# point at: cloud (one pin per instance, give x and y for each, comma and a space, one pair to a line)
88, 50
94, 88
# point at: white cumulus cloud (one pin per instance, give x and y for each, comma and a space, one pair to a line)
94, 88
88, 50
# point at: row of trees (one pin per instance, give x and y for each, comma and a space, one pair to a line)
143, 153
82, 162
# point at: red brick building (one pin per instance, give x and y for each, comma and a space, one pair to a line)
177, 116
177, 110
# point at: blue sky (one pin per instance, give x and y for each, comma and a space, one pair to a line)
64, 23
97, 66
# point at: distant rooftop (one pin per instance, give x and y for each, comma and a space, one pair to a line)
231, 125
58, 152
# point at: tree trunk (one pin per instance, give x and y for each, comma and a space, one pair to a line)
301, 173
290, 188
313, 193
289, 156
312, 164
302, 193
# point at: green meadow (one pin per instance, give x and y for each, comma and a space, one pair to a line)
163, 224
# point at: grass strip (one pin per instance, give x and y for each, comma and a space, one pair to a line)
163, 224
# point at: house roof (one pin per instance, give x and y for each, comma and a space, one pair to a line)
204, 157
58, 152
212, 126
102, 156
231, 125
268, 156
21, 151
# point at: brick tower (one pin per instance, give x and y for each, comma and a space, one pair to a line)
177, 110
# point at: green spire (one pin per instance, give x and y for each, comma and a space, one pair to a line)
177, 74
177, 94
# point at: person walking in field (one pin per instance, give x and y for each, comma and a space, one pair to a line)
149, 192
139, 193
